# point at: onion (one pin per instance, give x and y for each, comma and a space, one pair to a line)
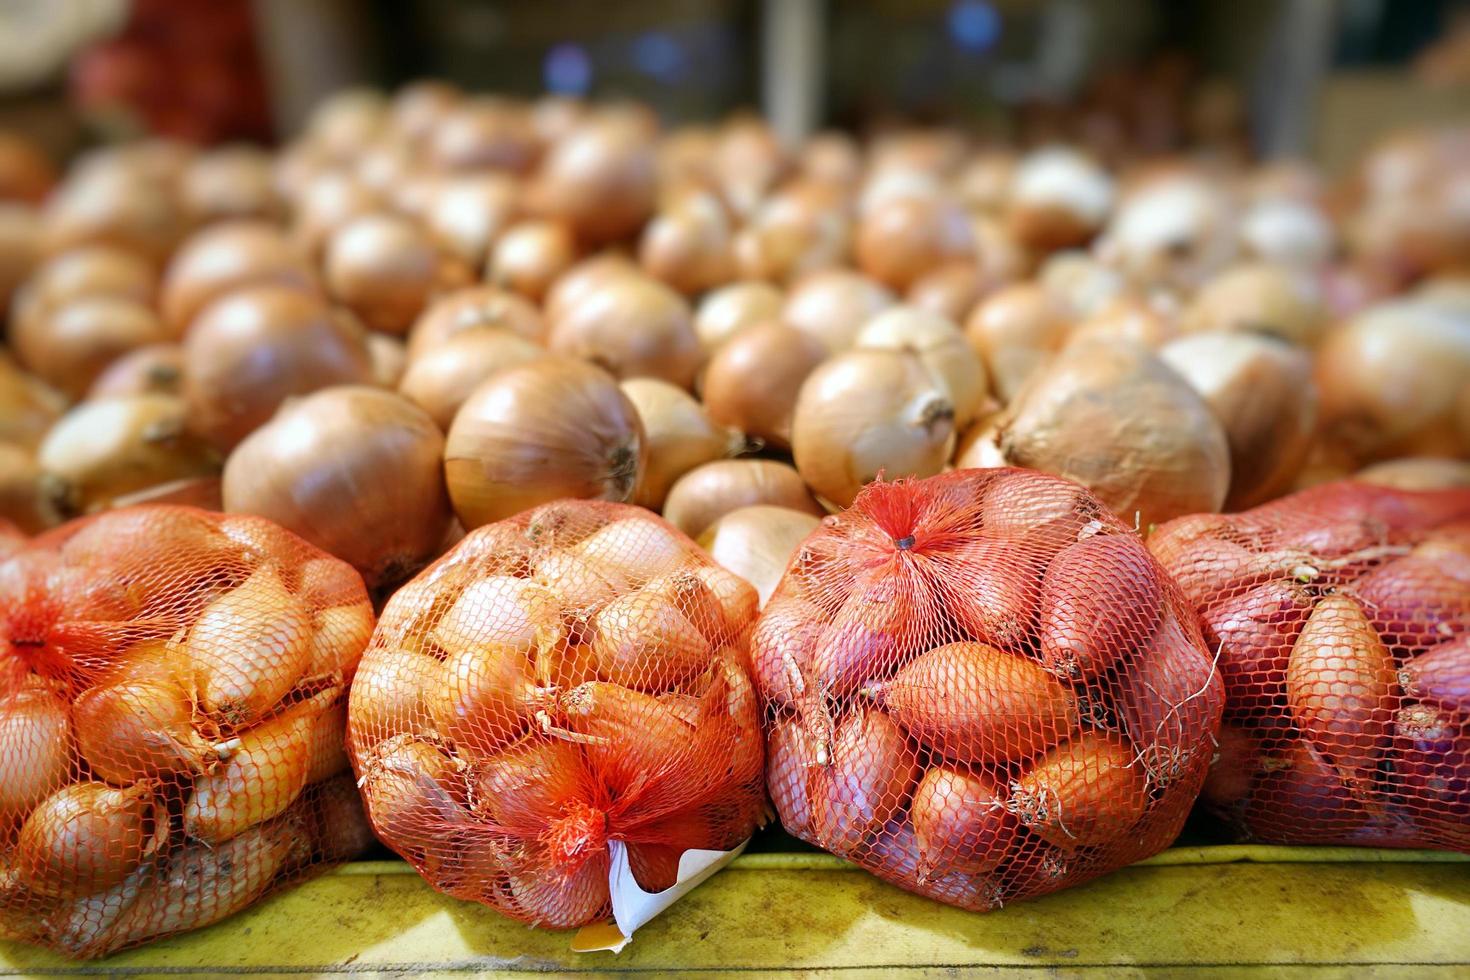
548, 429
1394, 383
1058, 198
111, 207
389, 359
832, 306
872, 769
391, 694
601, 178
101, 451
467, 214
251, 350
157, 369
227, 257
727, 311
484, 133
1085, 630
24, 500
648, 641
757, 543
71, 344
475, 306
1015, 331
639, 549
328, 202
389, 477
1130, 319
940, 346
950, 291
584, 279
530, 255
1295, 234
132, 730
231, 182
752, 381
19, 247
706, 493
386, 269
347, 121
901, 239
1117, 420
688, 245
632, 327
1261, 298
678, 434
1085, 792
248, 647
1261, 390
983, 185
832, 158
442, 377
960, 823
1080, 284
418, 107
1417, 473
413, 792
1174, 233
870, 412
28, 407
85, 838
797, 232
35, 728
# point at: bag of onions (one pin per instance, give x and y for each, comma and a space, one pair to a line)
980, 687
1342, 619
555, 718
172, 723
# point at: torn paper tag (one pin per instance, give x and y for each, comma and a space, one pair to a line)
633, 907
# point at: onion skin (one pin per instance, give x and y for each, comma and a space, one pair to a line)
84, 838
1431, 761
133, 730
960, 823
640, 736
1000, 707
157, 369
1101, 599
601, 178
632, 327
549, 429
706, 493
1086, 791
386, 269
524, 787
781, 647
471, 308
72, 343
1015, 330
1300, 799
832, 306
757, 543
790, 757
24, 499
226, 257
873, 768
679, 435
996, 597
1238, 759
1415, 602
468, 213
442, 378
320, 468
1255, 630
646, 642
942, 348
726, 312
528, 257
36, 730
950, 291
1440, 676
753, 380
251, 350
899, 240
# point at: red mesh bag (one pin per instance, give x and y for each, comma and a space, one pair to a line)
172, 723
1342, 619
982, 688
561, 687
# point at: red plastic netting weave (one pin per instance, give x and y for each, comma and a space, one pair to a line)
569, 678
1342, 617
981, 687
172, 723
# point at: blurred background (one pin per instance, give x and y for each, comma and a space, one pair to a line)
1266, 77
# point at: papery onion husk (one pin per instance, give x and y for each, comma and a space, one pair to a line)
752, 381
899, 240
601, 178
708, 492
441, 378
942, 348
757, 543
632, 327
226, 257
133, 730
833, 305
679, 436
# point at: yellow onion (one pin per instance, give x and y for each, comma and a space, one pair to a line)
346, 122
548, 429
940, 345
1058, 198
157, 369
331, 464
226, 257
414, 792
984, 183
1293, 233
831, 158
340, 632
440, 379
638, 549
468, 213
486, 696
1417, 473
601, 178
1114, 418
129, 730
688, 246
248, 648
36, 732
475, 306
632, 327
101, 452
26, 171
866, 412
529, 256
1173, 233
391, 692
586, 278
28, 406
725, 312
389, 359
678, 433
483, 133
84, 838
706, 493
757, 543
251, 350
1261, 390
1079, 283
328, 201
1015, 331
386, 269
1394, 382
1260, 298
1128, 318
751, 383
230, 182
833, 305
583, 585
901, 239
72, 343
950, 291
25, 498
798, 231
111, 207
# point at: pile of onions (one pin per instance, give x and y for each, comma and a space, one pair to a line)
797, 231
863, 413
1261, 390
1395, 381
251, 350
539, 432
679, 435
1057, 198
157, 369
467, 214
832, 306
474, 306
530, 255
356, 471
28, 406
758, 542
226, 257
71, 344
726, 311
706, 493
943, 350
1015, 331
105, 450
601, 178
751, 383
442, 377
633, 327
1114, 418
1261, 298
386, 269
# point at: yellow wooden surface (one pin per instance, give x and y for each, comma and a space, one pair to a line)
1198, 912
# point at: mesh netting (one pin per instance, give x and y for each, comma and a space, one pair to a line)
570, 677
1342, 619
980, 687
172, 723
